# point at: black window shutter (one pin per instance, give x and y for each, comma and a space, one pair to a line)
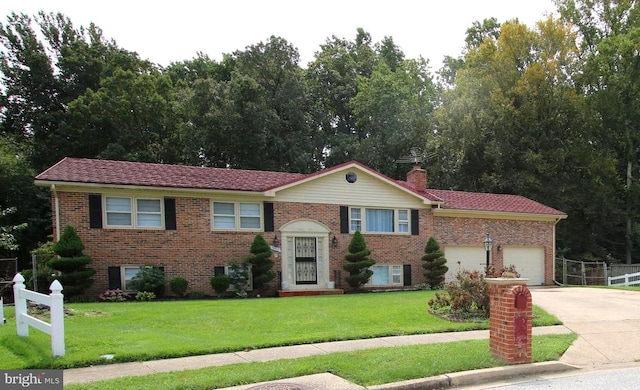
269, 225
415, 222
344, 219
406, 270
114, 278
218, 270
95, 211
170, 213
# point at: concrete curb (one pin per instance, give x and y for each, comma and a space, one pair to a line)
476, 377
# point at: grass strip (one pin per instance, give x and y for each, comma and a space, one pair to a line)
365, 367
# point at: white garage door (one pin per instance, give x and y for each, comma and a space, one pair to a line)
472, 258
529, 262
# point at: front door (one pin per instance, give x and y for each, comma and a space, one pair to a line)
306, 261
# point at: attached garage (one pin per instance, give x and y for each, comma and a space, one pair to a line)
529, 262
472, 258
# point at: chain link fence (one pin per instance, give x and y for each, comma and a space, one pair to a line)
581, 273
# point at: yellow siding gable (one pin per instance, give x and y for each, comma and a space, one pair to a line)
368, 190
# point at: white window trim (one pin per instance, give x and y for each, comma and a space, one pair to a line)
123, 281
390, 270
237, 216
134, 212
396, 220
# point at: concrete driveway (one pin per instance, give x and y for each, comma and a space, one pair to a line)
607, 322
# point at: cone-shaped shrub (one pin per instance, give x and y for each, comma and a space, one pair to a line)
358, 262
70, 244
261, 263
74, 276
434, 263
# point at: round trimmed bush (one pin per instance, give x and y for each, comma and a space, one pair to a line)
178, 286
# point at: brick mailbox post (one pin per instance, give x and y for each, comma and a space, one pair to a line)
510, 316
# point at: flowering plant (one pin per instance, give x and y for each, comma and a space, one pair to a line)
509, 274
116, 295
145, 296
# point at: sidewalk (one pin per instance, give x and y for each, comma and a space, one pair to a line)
320, 381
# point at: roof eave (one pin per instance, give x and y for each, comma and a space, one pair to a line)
91, 186
497, 214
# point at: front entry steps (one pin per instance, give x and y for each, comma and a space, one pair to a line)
306, 293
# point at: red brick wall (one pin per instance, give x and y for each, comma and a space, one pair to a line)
193, 250
504, 232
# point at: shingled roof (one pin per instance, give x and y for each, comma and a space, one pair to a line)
125, 173
477, 201
90, 171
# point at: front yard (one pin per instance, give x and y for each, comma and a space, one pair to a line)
133, 331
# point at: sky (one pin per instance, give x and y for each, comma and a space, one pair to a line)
164, 32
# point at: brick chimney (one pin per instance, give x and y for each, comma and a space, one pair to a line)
417, 177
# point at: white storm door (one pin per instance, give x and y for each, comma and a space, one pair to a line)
306, 260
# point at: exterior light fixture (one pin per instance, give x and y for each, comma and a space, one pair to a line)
334, 241
488, 244
276, 243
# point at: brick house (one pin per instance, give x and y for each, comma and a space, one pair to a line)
193, 221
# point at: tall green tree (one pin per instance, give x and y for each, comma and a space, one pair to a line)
375, 104
393, 109
45, 64
251, 111
515, 122
271, 109
609, 36
332, 83
129, 117
29, 205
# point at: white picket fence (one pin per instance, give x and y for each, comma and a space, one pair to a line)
55, 302
628, 280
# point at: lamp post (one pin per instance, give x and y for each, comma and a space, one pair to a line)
488, 244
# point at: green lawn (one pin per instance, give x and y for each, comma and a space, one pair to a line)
391, 365
152, 330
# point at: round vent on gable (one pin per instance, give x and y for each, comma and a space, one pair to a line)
351, 177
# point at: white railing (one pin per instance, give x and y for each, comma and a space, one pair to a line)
629, 280
55, 302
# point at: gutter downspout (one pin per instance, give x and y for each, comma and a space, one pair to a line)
553, 269
56, 211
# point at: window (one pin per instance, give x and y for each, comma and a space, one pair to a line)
127, 273
250, 216
228, 270
379, 220
356, 219
403, 221
224, 215
237, 216
133, 212
386, 275
149, 212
